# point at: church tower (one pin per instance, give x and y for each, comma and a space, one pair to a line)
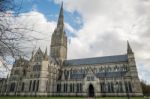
133, 70
59, 39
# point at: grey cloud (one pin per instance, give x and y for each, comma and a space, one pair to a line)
111, 26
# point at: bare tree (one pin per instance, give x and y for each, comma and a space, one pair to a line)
6, 5
12, 36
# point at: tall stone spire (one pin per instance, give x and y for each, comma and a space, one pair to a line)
58, 48
60, 23
45, 54
129, 50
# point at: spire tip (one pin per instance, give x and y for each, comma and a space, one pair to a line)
129, 50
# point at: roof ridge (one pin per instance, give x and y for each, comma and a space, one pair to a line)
97, 60
97, 57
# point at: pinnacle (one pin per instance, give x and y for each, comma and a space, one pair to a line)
45, 54
61, 17
129, 49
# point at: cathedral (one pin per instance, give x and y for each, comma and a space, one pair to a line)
55, 75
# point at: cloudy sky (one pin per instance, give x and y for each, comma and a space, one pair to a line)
95, 28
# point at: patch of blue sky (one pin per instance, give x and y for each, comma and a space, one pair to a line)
22, 6
74, 19
50, 10
70, 34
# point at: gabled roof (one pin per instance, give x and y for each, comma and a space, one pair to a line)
39, 52
96, 60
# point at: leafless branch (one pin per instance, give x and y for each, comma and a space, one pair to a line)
12, 36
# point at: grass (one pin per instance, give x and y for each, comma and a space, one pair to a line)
15, 97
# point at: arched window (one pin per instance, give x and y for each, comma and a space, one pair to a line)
37, 86
30, 85
102, 87
103, 69
130, 87
115, 68
125, 68
5, 88
96, 70
109, 69
106, 69
66, 73
112, 87
81, 70
22, 88
85, 70
73, 87
65, 87
100, 69
12, 87
117, 87
120, 87
47, 85
70, 87
80, 87
109, 87
77, 87
58, 87
33, 89
126, 87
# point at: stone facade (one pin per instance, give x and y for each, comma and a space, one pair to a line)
54, 75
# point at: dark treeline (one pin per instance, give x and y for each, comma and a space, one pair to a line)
145, 88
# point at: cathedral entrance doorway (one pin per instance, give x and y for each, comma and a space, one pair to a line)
91, 91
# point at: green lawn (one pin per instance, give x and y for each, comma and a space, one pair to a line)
8, 97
